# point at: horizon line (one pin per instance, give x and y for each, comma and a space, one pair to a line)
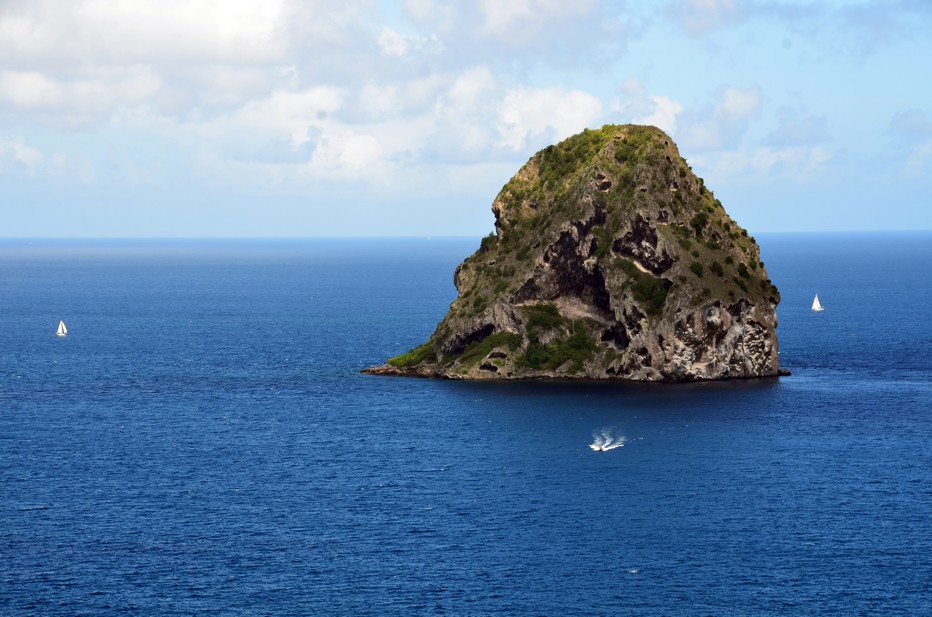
415, 237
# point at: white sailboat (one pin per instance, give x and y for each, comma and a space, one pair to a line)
816, 305
62, 330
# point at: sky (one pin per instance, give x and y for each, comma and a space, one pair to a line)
288, 118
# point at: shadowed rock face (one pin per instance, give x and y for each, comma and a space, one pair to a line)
610, 260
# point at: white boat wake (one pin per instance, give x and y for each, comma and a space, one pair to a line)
606, 439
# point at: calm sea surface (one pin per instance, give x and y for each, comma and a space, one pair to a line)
202, 443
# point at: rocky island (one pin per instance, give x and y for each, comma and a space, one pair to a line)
610, 260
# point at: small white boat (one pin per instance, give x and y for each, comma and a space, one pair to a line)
62, 330
816, 305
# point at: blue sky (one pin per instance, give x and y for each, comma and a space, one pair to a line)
188, 118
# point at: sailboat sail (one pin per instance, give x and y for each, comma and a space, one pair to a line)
816, 305
62, 330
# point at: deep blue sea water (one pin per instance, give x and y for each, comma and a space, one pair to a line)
202, 442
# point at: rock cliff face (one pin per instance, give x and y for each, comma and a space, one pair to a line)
610, 260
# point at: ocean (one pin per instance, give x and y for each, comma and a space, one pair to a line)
202, 442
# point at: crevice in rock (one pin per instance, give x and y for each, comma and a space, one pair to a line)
736, 309
566, 275
632, 320
458, 344
640, 243
617, 336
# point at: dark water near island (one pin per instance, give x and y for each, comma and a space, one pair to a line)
202, 443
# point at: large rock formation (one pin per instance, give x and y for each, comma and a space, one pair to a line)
610, 260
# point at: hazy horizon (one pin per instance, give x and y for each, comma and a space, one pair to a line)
476, 237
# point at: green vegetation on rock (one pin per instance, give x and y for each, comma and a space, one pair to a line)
478, 350
647, 289
414, 357
542, 317
576, 348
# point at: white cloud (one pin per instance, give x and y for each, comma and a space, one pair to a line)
722, 126
86, 60
797, 127
737, 104
396, 45
699, 16
664, 115
464, 114
441, 15
470, 91
912, 130
380, 101
347, 153
80, 100
919, 161
17, 157
29, 90
793, 160
638, 107
127, 32
384, 101
501, 18
393, 43
527, 32
766, 162
520, 20
285, 115
527, 113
